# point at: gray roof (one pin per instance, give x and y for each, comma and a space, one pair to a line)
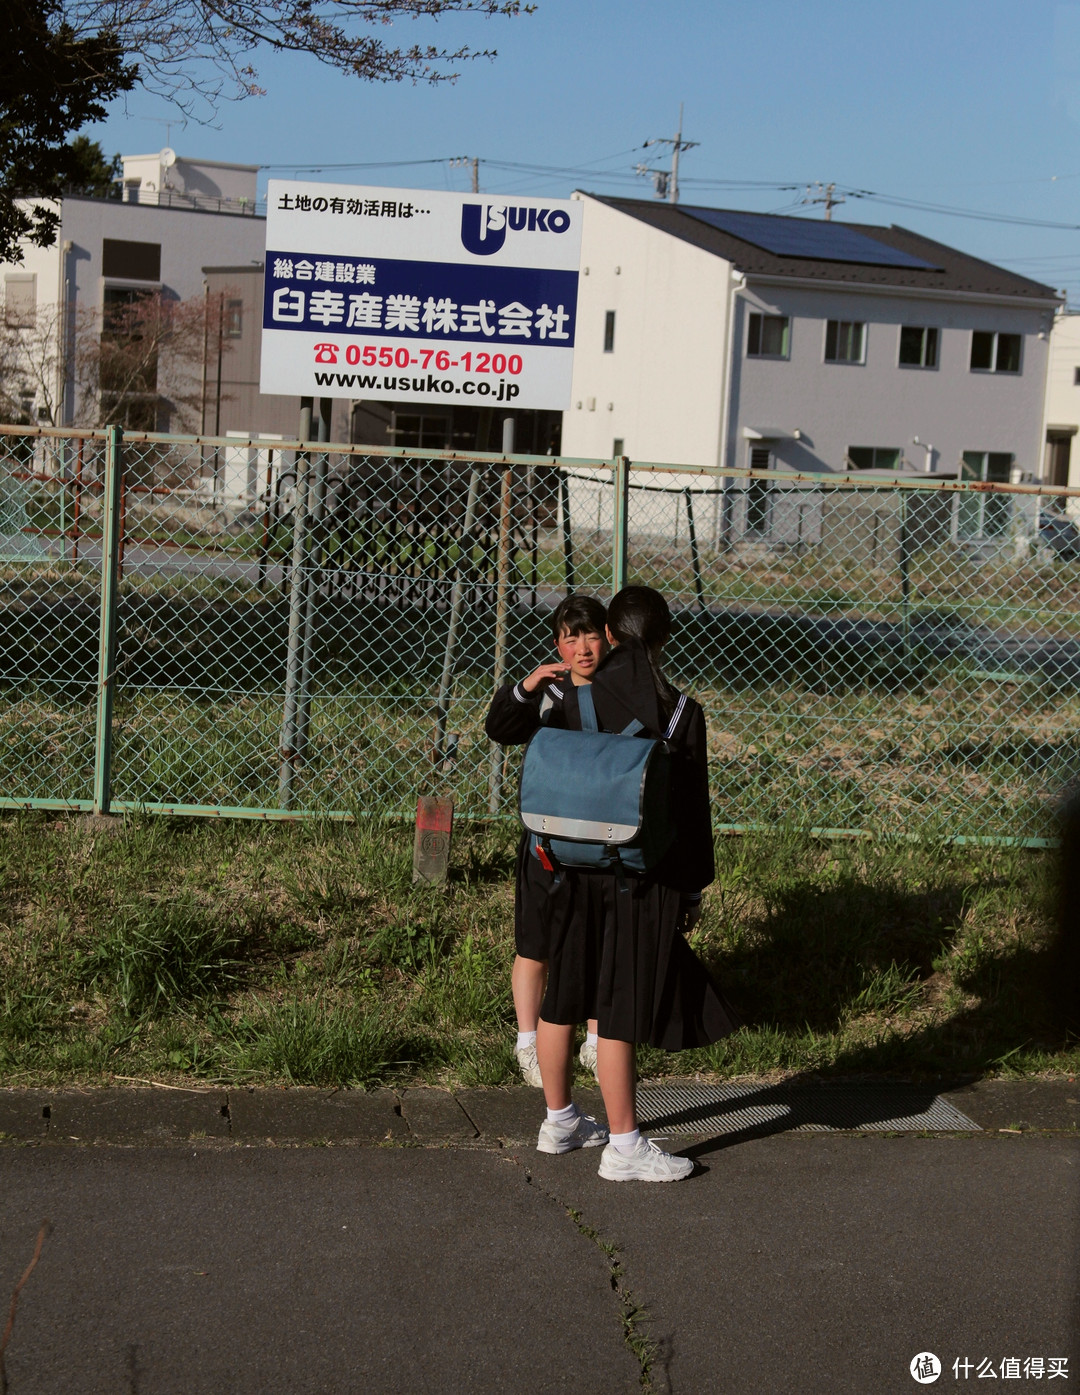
952, 270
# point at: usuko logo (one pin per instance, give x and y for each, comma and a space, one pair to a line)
484, 225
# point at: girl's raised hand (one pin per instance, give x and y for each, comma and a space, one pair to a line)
543, 673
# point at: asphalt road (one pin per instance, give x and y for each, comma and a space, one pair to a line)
797, 1262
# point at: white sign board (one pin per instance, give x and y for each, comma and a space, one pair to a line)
407, 295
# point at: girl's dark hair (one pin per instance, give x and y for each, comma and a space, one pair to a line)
578, 615
640, 615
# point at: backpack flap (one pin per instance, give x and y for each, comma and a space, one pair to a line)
585, 785
596, 799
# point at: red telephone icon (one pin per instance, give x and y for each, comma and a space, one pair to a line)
326, 353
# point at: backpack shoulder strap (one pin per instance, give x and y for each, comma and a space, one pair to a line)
632, 728
676, 716
586, 709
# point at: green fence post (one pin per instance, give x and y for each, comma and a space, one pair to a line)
62, 455
695, 556
905, 585
503, 563
110, 587
297, 615
620, 530
442, 754
316, 504
567, 536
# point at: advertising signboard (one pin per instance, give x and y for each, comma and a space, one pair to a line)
408, 295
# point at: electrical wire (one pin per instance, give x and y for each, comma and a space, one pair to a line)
529, 170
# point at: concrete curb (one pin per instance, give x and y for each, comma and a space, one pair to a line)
256, 1116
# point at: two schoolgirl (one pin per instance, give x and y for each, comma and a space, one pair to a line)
615, 944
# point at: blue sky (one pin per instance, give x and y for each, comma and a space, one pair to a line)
973, 104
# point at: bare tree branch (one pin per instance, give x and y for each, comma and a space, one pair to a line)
198, 52
139, 364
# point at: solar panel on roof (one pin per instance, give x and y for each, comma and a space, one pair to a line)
800, 237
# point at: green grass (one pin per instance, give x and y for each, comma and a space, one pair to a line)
224, 951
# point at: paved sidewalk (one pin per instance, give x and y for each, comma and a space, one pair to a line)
426, 1245
492, 1118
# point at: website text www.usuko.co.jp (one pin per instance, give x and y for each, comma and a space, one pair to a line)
501, 391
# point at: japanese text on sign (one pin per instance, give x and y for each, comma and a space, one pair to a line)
435, 270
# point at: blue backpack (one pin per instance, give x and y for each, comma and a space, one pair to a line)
598, 799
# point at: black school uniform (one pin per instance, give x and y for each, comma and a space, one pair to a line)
614, 948
512, 719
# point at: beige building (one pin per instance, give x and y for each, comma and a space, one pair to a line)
110, 251
1061, 464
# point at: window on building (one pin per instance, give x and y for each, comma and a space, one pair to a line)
1076, 377
116, 302
981, 516
131, 261
1058, 454
768, 336
420, 431
757, 492
20, 301
128, 363
618, 447
992, 352
234, 319
845, 341
873, 457
918, 346
609, 331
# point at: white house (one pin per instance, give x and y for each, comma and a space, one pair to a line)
111, 250
1062, 460
722, 339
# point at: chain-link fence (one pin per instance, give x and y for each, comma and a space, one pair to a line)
272, 629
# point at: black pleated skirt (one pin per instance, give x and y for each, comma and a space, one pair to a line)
617, 955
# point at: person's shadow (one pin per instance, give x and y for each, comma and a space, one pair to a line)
865, 944
734, 1115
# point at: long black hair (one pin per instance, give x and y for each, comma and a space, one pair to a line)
639, 615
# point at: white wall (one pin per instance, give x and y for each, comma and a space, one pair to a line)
1062, 390
663, 377
43, 264
208, 181
189, 240
878, 403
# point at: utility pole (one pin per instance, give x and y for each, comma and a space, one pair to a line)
666, 182
473, 164
826, 195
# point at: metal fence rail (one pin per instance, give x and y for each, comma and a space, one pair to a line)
219, 626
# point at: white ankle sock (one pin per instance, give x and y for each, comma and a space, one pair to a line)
563, 1116
590, 1038
623, 1142
525, 1039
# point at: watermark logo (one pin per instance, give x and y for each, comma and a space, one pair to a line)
925, 1368
484, 225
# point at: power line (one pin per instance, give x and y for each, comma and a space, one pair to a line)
629, 177
357, 165
891, 200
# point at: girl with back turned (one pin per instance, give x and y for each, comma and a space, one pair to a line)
616, 942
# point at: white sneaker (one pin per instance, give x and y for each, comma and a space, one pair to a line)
526, 1059
584, 1132
647, 1163
587, 1056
